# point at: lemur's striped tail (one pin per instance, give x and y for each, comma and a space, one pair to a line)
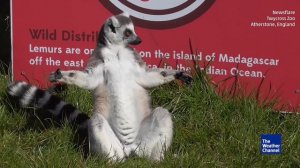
29, 95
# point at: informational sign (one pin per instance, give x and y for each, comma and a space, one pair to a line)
256, 42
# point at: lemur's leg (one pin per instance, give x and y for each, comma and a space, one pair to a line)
155, 135
103, 140
156, 77
88, 79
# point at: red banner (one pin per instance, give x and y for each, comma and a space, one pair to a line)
254, 40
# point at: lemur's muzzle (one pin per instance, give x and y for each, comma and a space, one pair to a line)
137, 41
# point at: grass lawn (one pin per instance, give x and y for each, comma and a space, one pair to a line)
209, 132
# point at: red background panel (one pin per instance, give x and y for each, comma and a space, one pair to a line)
224, 28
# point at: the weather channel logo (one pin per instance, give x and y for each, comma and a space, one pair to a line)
271, 144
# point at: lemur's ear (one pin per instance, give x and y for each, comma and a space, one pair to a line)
111, 27
113, 23
125, 14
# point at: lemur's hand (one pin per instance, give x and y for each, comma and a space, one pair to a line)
186, 78
55, 76
57, 88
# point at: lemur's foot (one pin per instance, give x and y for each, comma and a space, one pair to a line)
186, 78
55, 76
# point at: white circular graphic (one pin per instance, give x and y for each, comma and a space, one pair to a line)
160, 11
157, 4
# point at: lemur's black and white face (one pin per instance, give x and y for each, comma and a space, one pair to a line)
120, 30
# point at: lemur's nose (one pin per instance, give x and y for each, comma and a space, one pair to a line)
137, 41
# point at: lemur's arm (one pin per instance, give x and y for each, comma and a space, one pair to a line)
88, 79
155, 77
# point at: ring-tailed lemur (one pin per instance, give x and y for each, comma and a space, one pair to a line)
122, 120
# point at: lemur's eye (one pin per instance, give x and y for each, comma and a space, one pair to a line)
127, 33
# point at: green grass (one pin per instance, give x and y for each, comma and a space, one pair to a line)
209, 132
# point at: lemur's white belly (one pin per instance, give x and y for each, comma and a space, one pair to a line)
124, 116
